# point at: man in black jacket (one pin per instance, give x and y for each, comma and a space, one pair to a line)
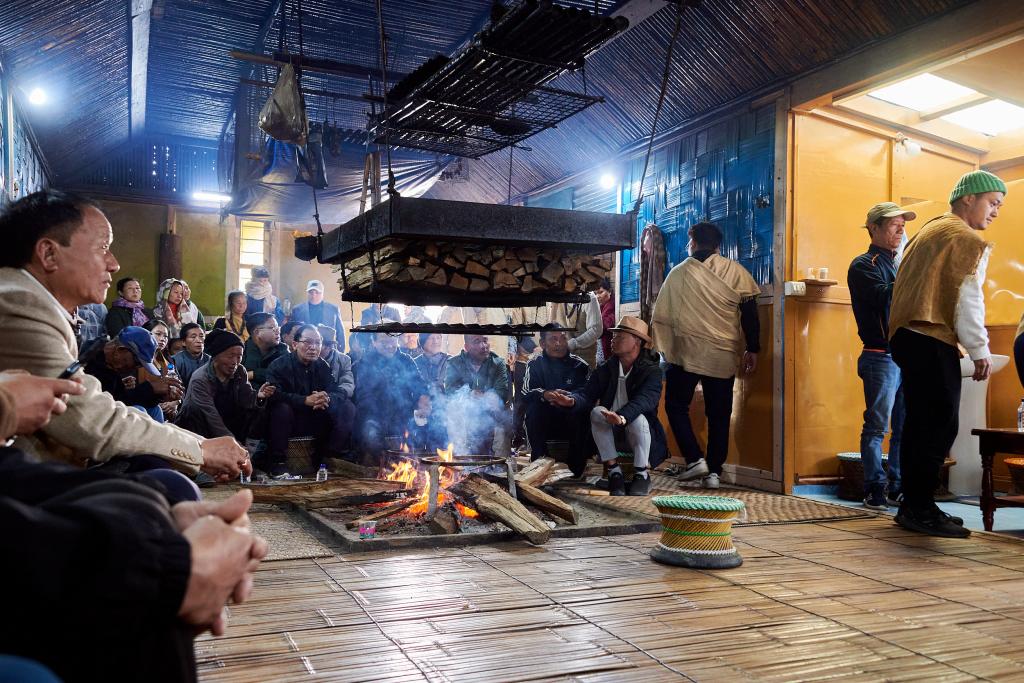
262, 348
622, 397
555, 370
871, 278
391, 396
108, 555
306, 402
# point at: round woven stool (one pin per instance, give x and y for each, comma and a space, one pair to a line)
696, 531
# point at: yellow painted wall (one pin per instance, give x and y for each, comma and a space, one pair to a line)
137, 229
840, 168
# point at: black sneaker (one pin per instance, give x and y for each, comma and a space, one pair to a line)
640, 486
894, 498
931, 523
876, 501
953, 518
617, 484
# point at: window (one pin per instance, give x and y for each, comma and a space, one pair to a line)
923, 92
252, 246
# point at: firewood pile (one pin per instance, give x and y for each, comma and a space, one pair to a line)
458, 267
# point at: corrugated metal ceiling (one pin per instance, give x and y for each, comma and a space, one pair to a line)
726, 48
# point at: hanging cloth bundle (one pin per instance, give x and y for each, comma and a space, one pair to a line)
652, 269
283, 117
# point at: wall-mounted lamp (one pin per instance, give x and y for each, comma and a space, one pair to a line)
607, 181
37, 97
201, 196
909, 146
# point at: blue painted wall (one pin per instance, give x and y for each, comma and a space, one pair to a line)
723, 173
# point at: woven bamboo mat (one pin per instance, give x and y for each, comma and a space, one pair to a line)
854, 600
761, 507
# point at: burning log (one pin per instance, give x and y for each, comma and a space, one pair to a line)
474, 268
382, 514
445, 521
329, 493
494, 502
548, 503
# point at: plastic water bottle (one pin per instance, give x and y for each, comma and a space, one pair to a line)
1020, 416
321, 474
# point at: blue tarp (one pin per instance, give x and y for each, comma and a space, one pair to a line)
269, 192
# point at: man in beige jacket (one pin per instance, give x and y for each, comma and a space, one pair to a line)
57, 257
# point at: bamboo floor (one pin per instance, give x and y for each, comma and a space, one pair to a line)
859, 599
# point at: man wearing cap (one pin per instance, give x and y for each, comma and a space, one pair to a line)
870, 279
705, 324
555, 370
621, 397
316, 311
937, 307
115, 362
219, 400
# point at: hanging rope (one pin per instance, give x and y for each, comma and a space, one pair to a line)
383, 59
661, 101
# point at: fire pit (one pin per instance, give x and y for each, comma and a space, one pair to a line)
434, 464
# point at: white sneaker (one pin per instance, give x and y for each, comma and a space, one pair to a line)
710, 481
694, 470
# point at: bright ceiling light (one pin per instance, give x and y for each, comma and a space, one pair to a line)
607, 181
211, 197
990, 118
922, 92
37, 97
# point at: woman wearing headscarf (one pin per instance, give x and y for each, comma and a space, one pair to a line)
193, 309
169, 306
163, 363
233, 319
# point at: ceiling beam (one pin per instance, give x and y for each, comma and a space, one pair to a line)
138, 50
962, 103
326, 66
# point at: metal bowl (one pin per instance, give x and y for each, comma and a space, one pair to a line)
463, 460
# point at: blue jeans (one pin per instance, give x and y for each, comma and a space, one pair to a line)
883, 398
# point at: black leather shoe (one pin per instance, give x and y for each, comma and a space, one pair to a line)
640, 486
617, 484
931, 523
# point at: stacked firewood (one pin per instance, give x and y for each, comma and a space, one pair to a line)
461, 267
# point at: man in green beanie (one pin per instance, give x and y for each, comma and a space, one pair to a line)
937, 308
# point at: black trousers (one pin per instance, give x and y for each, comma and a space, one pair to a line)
679, 388
332, 428
1018, 357
546, 422
931, 394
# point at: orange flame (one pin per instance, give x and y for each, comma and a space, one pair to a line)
406, 473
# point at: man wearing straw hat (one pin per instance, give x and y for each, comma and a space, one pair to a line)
937, 307
870, 278
705, 324
622, 396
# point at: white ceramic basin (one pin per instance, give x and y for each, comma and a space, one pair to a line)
965, 476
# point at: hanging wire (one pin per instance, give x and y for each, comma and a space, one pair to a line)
383, 59
661, 101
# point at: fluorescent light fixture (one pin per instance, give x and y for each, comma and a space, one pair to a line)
990, 118
37, 97
922, 92
607, 181
211, 197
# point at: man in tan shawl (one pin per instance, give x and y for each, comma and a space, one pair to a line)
937, 307
705, 324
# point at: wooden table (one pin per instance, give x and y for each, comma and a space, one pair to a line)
992, 441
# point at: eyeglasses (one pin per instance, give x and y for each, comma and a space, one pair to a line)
312, 343
268, 329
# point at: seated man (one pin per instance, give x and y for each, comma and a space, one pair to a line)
156, 575
477, 396
338, 361
306, 402
622, 397
555, 370
389, 390
58, 257
192, 357
263, 347
115, 364
219, 400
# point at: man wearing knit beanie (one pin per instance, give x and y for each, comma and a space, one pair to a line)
220, 400
938, 308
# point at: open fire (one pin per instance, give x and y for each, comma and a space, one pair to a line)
410, 474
